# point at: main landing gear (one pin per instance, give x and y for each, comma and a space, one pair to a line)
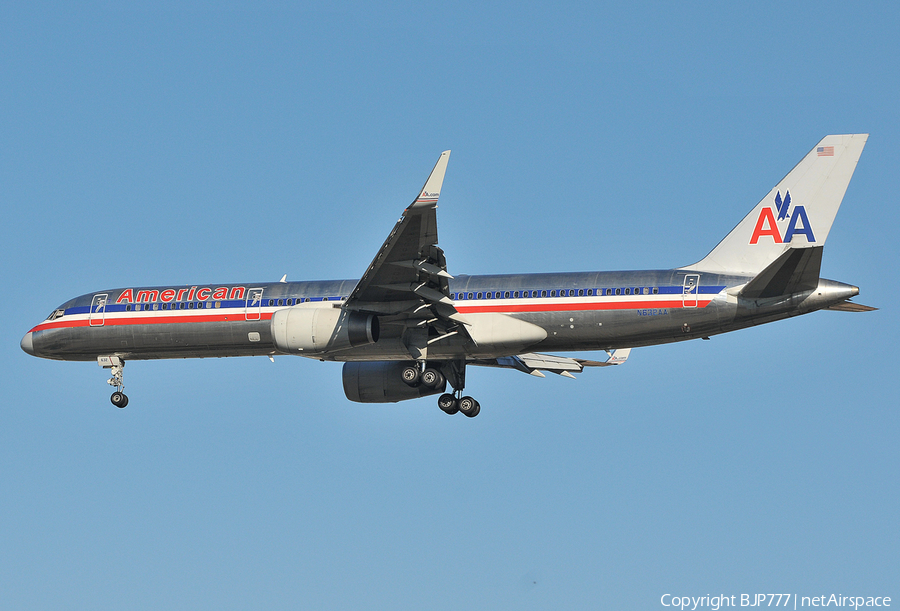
116, 367
451, 404
435, 376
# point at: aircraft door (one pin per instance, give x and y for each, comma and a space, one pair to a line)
691, 289
97, 314
253, 307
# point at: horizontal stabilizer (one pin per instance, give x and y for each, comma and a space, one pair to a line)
849, 306
796, 270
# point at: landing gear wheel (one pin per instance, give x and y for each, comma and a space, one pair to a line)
432, 378
411, 375
119, 399
469, 407
448, 404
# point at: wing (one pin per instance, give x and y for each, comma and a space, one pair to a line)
535, 364
408, 277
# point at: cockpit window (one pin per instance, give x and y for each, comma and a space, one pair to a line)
56, 314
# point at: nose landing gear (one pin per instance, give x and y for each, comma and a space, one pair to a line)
116, 367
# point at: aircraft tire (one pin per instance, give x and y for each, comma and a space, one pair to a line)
119, 399
432, 378
411, 375
469, 407
448, 404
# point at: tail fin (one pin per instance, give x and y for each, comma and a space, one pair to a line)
797, 212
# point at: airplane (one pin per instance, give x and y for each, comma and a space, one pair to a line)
408, 329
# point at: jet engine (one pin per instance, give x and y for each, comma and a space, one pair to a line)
382, 382
321, 329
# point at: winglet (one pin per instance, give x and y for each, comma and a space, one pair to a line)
432, 189
617, 357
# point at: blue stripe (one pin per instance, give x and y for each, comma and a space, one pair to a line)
241, 303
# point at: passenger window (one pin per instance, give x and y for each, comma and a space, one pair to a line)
128, 308
516, 294
506, 295
581, 292
628, 291
646, 291
618, 291
468, 295
218, 304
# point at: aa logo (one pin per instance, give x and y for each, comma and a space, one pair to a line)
767, 225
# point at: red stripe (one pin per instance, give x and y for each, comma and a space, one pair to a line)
236, 317
151, 320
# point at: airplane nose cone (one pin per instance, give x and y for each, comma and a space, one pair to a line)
27, 344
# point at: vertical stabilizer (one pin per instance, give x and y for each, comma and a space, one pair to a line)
797, 212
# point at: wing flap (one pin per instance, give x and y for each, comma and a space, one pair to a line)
410, 270
535, 364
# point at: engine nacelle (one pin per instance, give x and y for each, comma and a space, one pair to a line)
381, 382
320, 329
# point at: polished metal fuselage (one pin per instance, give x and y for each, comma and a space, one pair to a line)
580, 311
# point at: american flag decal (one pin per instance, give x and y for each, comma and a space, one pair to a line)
825, 151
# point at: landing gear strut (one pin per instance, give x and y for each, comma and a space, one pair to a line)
455, 373
433, 376
116, 367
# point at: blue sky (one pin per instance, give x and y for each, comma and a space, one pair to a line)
190, 143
